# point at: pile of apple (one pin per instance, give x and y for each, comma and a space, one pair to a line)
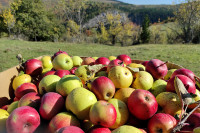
72, 94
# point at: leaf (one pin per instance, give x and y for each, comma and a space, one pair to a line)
94, 69
21, 73
133, 69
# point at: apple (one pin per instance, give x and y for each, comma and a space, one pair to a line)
51, 72
161, 123
101, 73
133, 121
169, 74
157, 68
57, 53
33, 67
23, 120
86, 125
99, 129
48, 84
142, 104
123, 94
122, 112
135, 65
196, 98
120, 76
188, 83
72, 71
102, 60
83, 73
62, 73
103, 88
77, 61
88, 61
95, 57
66, 84
46, 63
79, 102
63, 119
186, 72
5, 107
158, 87
62, 61
112, 57
127, 129
24, 89
3, 117
196, 130
115, 62
70, 129
142, 80
30, 99
51, 104
125, 58
12, 106
144, 63
103, 113
23, 78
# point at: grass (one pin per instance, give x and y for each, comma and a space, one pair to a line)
184, 55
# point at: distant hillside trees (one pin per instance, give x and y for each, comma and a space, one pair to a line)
145, 35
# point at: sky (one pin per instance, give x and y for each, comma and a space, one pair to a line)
150, 2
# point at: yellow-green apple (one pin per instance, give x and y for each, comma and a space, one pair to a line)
120, 76
30, 99
79, 102
103, 113
115, 62
99, 129
62, 61
72, 71
161, 123
102, 60
88, 61
196, 98
125, 58
169, 74
142, 104
3, 117
196, 130
135, 65
95, 57
46, 63
48, 84
57, 53
123, 94
77, 61
24, 89
17, 81
142, 80
51, 104
12, 106
51, 72
33, 67
63, 119
127, 129
188, 83
186, 72
67, 83
158, 86
112, 57
23, 120
122, 112
103, 88
157, 68
62, 73
70, 129
83, 73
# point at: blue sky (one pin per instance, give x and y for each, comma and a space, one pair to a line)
150, 2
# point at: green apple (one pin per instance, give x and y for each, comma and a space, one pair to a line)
46, 63
127, 129
112, 58
12, 106
122, 112
77, 61
196, 130
3, 117
158, 87
83, 73
24, 78
79, 101
95, 57
120, 76
62, 61
67, 83
143, 80
48, 84
169, 73
135, 65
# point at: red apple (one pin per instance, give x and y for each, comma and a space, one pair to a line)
57, 53
115, 62
185, 72
188, 83
125, 58
51, 104
62, 73
72, 71
142, 104
157, 68
99, 129
103, 113
70, 129
5, 107
52, 72
144, 63
33, 67
102, 60
103, 88
15, 99
24, 89
23, 120
161, 123
88, 61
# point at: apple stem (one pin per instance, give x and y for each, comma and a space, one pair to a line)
162, 64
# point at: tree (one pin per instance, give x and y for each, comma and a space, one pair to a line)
145, 35
8, 19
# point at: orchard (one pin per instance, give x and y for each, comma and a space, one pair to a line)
116, 94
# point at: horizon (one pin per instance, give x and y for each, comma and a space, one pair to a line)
150, 2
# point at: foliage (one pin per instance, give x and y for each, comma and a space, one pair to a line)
145, 35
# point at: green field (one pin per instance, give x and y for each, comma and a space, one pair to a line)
184, 55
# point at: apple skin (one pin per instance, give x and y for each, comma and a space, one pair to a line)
123, 94
33, 67
99, 129
188, 83
127, 129
125, 58
17, 81
24, 89
185, 72
77, 61
46, 63
72, 71
51, 104
102, 60
115, 62
157, 68
142, 104
62, 61
70, 129
144, 63
12, 106
63, 119
23, 120
57, 53
103, 88
51, 72
169, 74
103, 113
62, 73
88, 61
161, 122
3, 117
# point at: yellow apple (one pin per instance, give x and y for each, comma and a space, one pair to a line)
196, 130
123, 94
135, 65
3, 117
126, 129
112, 58
46, 63
197, 98
24, 78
